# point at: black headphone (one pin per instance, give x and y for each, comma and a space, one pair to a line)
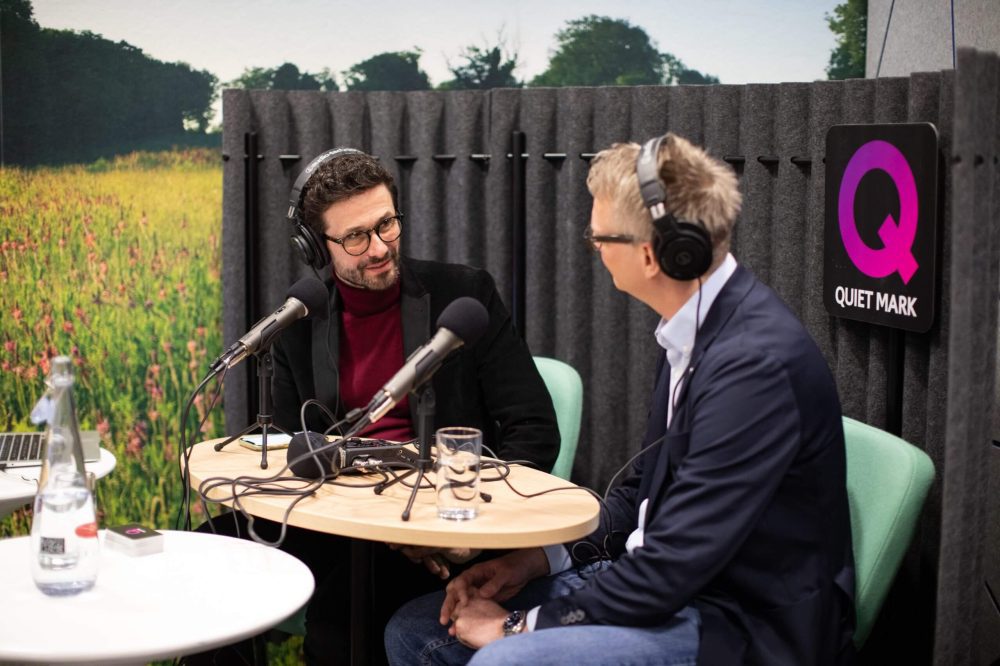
683, 248
310, 247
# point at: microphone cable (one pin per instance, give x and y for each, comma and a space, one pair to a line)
185, 447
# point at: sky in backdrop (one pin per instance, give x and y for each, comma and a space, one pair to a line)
740, 41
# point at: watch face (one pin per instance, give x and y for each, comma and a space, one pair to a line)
514, 623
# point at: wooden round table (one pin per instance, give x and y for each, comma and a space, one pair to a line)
354, 510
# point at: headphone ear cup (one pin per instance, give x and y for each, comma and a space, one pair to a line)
310, 248
683, 249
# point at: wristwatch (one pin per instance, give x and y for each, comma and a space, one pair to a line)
515, 623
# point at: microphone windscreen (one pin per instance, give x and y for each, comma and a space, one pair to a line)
313, 295
466, 318
314, 466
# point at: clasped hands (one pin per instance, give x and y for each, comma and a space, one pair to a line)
472, 599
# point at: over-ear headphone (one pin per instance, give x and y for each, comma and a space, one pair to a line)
310, 247
683, 247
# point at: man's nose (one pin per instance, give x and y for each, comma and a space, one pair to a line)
377, 247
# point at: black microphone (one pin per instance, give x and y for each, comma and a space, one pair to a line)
306, 298
463, 322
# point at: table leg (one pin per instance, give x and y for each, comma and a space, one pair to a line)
361, 590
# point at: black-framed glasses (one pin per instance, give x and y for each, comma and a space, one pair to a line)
595, 240
356, 243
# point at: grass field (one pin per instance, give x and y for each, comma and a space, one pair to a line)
117, 264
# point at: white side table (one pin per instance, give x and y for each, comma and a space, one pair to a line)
19, 484
201, 592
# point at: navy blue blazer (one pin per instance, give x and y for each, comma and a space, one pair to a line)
747, 517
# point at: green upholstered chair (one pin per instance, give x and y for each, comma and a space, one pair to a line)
887, 481
566, 389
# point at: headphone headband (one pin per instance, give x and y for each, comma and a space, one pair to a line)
300, 182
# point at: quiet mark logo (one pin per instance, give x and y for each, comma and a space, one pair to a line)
881, 232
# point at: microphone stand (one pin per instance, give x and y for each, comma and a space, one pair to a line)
265, 421
425, 431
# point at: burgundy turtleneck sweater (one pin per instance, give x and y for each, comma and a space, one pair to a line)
371, 351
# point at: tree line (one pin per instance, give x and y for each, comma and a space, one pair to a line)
75, 97
71, 96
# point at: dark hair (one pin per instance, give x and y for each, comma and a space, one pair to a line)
342, 178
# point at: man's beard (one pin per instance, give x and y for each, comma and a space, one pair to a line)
358, 277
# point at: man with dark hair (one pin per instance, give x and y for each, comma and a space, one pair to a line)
728, 542
384, 306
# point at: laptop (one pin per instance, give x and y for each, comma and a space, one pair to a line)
22, 449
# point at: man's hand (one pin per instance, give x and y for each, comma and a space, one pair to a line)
436, 559
498, 579
479, 622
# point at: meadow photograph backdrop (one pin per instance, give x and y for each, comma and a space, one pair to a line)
117, 264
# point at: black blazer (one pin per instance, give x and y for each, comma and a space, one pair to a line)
493, 385
747, 516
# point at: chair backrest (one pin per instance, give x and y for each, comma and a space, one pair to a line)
566, 388
887, 482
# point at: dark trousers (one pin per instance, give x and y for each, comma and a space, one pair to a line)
395, 580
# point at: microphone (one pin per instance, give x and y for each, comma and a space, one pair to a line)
463, 322
306, 298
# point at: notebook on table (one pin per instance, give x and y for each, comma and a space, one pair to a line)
21, 449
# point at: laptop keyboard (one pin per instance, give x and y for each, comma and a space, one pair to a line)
21, 447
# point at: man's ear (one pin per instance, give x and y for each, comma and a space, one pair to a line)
650, 264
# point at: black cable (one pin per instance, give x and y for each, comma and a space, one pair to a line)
884, 38
954, 57
185, 451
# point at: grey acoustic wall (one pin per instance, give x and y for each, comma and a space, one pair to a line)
450, 153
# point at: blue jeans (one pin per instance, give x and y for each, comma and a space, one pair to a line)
414, 636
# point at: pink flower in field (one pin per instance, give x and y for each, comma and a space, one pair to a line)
136, 439
103, 428
162, 294
67, 326
192, 347
154, 370
16, 314
5, 366
153, 415
10, 346
89, 239
181, 287
44, 365
81, 315
167, 346
102, 269
201, 331
31, 372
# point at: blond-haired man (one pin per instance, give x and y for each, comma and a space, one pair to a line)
728, 541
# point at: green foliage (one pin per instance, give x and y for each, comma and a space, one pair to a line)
118, 265
602, 51
398, 70
71, 96
483, 68
850, 25
284, 77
